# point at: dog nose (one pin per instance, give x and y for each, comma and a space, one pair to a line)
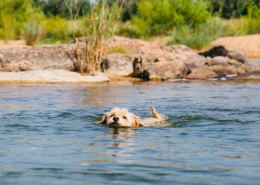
116, 118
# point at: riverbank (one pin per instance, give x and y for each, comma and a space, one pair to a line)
54, 64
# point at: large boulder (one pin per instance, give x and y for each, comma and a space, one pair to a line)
202, 73
37, 58
160, 69
154, 62
150, 61
219, 69
117, 65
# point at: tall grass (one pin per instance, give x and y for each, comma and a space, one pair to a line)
32, 33
101, 25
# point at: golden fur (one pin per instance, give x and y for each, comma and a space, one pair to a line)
122, 118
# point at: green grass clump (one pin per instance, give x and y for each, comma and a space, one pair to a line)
32, 33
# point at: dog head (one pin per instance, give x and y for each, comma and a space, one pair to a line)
121, 118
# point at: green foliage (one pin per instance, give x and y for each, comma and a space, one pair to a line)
187, 22
253, 11
129, 8
59, 8
229, 9
200, 36
14, 15
7, 25
56, 29
159, 17
248, 24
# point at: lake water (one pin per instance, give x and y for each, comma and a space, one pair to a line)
48, 134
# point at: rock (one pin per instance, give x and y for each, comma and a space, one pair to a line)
144, 60
232, 53
50, 76
157, 62
236, 54
221, 70
37, 58
233, 62
215, 51
201, 73
249, 76
164, 70
116, 65
219, 60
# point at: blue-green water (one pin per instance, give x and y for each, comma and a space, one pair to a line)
48, 134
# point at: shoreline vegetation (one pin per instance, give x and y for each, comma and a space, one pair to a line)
192, 23
198, 25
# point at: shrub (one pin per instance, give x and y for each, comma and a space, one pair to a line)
14, 15
56, 29
159, 17
200, 36
32, 33
6, 27
246, 25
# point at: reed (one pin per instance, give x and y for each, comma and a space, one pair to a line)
101, 25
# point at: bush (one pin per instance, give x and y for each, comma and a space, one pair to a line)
246, 25
56, 29
14, 15
159, 17
7, 25
32, 33
200, 36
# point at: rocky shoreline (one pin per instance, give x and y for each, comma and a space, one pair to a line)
142, 60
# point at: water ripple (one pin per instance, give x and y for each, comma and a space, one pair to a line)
48, 134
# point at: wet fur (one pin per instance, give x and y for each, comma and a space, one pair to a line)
122, 118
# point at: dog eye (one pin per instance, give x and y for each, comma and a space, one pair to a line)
124, 117
111, 115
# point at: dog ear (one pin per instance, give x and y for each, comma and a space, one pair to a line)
103, 120
137, 122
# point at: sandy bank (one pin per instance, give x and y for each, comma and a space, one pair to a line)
249, 43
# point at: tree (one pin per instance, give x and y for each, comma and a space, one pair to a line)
14, 15
129, 7
231, 8
59, 7
158, 17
